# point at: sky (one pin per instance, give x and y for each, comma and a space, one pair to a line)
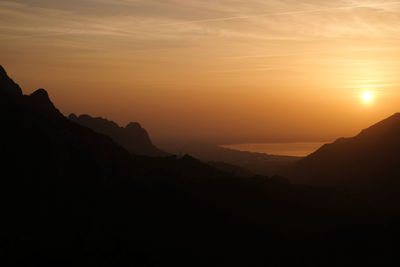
222, 71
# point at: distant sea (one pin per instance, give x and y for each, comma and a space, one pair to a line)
282, 149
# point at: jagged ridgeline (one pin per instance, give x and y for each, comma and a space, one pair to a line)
72, 196
133, 137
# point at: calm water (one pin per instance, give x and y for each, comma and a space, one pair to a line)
284, 149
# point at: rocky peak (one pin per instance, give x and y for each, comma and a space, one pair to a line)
40, 94
7, 85
134, 126
41, 101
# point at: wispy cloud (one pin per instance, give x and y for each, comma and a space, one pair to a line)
224, 30
371, 86
289, 13
158, 18
326, 52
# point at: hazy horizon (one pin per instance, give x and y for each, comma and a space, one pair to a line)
212, 71
295, 149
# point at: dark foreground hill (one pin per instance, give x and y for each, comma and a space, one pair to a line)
133, 137
373, 156
73, 197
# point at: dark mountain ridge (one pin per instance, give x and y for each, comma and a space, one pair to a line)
70, 196
8, 86
133, 137
371, 156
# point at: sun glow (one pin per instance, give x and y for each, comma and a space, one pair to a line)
367, 96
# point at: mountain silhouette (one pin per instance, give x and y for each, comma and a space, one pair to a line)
71, 196
8, 86
68, 193
133, 137
371, 156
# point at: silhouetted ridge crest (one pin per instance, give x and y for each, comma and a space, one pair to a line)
133, 137
7, 85
387, 126
41, 94
372, 155
38, 102
41, 102
72, 116
2, 71
134, 126
94, 122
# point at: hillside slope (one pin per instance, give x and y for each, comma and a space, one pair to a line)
133, 137
371, 156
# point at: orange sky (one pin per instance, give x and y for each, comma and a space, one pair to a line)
224, 70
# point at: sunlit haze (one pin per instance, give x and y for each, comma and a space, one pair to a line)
227, 71
367, 96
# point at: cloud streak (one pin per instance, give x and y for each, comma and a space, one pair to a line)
289, 13
169, 27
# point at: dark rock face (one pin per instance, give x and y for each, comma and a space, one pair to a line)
41, 103
41, 95
372, 155
133, 137
8, 86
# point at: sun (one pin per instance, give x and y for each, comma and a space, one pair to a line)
367, 96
